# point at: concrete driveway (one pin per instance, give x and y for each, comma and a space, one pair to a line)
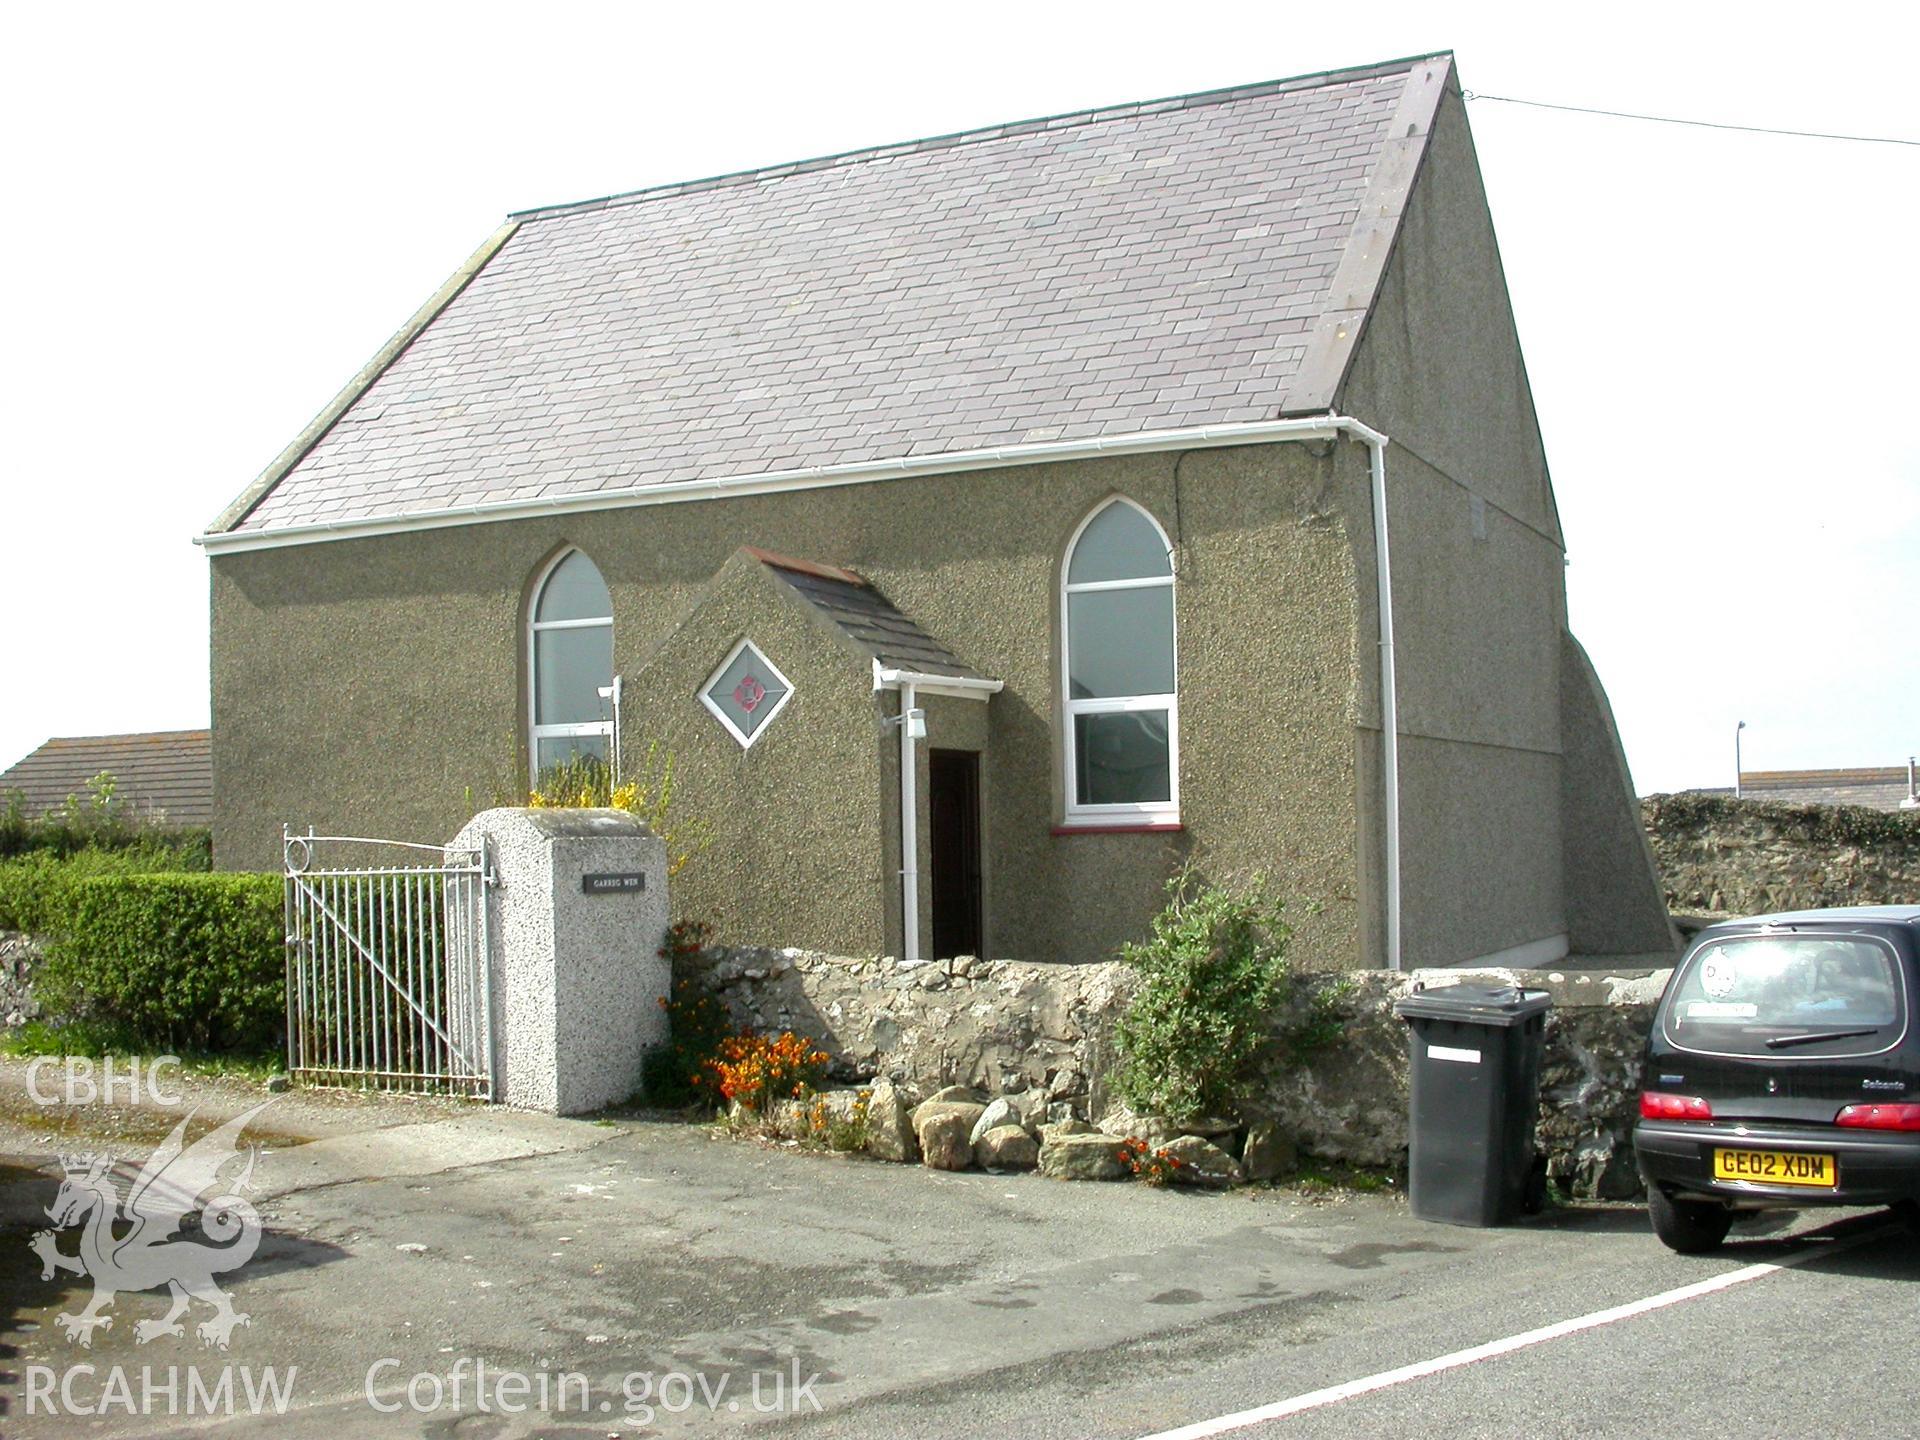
649, 1278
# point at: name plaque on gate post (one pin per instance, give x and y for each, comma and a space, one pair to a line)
617, 883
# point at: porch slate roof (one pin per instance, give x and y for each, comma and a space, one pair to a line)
866, 617
1153, 266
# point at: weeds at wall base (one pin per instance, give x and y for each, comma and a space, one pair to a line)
86, 1040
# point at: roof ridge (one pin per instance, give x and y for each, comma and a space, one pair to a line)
1877, 772
981, 134
798, 566
153, 736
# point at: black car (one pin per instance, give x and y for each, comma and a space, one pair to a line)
1784, 1071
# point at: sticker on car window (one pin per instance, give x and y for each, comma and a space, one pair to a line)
1720, 1010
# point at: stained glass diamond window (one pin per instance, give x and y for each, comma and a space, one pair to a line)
746, 692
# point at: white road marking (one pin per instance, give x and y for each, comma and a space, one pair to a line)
1334, 1394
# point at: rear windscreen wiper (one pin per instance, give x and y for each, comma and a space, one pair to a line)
1781, 1042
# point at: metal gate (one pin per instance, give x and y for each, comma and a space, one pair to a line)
387, 979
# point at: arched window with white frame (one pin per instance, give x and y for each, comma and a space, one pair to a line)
1117, 669
569, 665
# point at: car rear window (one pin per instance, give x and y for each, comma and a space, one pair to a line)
1787, 995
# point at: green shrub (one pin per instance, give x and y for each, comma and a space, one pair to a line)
585, 782
845, 1133
31, 885
174, 961
1211, 977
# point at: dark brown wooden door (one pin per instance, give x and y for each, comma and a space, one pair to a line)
954, 837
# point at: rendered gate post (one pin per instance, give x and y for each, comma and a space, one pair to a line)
575, 920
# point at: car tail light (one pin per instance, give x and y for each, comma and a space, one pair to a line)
1654, 1105
1879, 1117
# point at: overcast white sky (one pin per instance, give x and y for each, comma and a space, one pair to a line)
215, 214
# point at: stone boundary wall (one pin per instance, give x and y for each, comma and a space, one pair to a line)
1040, 1034
1722, 856
19, 955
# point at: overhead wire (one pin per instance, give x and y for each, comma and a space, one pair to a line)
1697, 124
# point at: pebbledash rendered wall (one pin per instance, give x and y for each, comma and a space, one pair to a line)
377, 686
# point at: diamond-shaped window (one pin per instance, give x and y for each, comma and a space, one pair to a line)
746, 692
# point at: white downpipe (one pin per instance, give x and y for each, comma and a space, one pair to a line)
1376, 444
909, 833
913, 727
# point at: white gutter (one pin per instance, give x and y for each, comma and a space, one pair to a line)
1205, 437
965, 687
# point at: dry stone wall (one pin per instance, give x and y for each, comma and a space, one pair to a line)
993, 1025
19, 954
1722, 856
1039, 1036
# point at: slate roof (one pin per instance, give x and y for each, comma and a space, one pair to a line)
1876, 788
1152, 266
864, 615
167, 774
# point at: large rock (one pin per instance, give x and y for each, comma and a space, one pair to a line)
1082, 1157
964, 1093
1123, 1124
890, 1134
1029, 1108
1000, 1112
943, 1139
1006, 1147
932, 1110
1202, 1163
1069, 1126
1268, 1153
1210, 1127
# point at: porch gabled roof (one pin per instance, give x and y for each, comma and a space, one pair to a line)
866, 618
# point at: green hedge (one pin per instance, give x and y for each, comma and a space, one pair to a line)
32, 886
180, 961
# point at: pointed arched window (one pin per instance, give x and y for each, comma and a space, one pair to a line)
570, 664
1117, 668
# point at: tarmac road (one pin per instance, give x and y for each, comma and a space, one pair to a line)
397, 1259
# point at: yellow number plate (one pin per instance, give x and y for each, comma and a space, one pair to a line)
1776, 1167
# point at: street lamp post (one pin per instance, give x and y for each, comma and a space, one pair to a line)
1736, 758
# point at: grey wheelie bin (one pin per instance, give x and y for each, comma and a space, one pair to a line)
1475, 1060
